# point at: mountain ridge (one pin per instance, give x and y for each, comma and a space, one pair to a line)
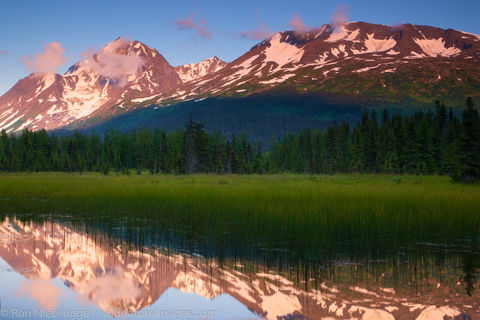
193, 71
369, 64
356, 49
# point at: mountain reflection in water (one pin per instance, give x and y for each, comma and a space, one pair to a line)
54, 265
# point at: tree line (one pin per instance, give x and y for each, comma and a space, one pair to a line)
424, 143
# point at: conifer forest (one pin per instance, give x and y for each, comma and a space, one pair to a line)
423, 143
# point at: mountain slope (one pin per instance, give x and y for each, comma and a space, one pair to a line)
369, 64
260, 116
90, 88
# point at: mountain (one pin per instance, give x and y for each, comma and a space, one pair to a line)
121, 71
293, 81
194, 71
357, 65
373, 65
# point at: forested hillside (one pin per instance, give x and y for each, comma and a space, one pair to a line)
423, 143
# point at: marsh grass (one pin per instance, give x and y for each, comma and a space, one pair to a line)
279, 221
294, 208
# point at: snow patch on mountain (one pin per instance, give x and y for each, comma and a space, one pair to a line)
5, 124
83, 101
139, 100
436, 47
393, 52
24, 125
343, 34
389, 70
280, 79
248, 63
282, 53
47, 80
6, 112
367, 69
195, 71
376, 45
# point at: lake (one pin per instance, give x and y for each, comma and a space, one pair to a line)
62, 267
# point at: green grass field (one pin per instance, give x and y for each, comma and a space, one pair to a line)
293, 207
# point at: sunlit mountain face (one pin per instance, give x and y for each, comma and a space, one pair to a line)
358, 64
118, 267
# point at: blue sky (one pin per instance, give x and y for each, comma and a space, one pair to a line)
27, 26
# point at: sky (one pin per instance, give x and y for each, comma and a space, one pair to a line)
58, 32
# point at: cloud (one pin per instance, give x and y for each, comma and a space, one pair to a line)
48, 61
2, 53
109, 290
201, 27
111, 64
263, 32
340, 17
41, 290
298, 25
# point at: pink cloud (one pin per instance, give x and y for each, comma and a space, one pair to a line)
2, 53
263, 32
41, 290
111, 64
340, 17
109, 290
48, 61
298, 25
189, 23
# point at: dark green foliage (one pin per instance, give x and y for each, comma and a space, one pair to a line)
260, 115
468, 146
195, 148
423, 143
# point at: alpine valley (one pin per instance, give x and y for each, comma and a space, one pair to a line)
282, 84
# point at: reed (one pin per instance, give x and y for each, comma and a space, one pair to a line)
293, 208
303, 225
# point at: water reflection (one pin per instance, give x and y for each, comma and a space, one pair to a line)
54, 265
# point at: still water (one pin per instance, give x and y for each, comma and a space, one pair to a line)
62, 268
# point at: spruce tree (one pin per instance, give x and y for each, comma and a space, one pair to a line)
358, 153
468, 146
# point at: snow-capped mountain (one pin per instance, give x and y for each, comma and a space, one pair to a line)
365, 64
119, 279
358, 60
194, 71
121, 71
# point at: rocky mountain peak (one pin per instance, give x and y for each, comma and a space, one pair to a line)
194, 71
98, 85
